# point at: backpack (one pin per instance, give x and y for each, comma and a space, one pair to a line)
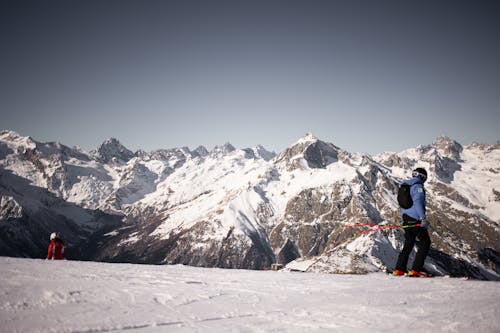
404, 197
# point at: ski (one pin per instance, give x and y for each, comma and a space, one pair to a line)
428, 275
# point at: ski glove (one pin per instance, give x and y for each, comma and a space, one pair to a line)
424, 224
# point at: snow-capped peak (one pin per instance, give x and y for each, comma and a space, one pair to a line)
112, 148
309, 152
448, 147
222, 150
200, 151
9, 135
263, 153
14, 139
307, 138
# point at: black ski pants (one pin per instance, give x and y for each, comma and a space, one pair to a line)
418, 236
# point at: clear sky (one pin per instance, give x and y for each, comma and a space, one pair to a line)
368, 76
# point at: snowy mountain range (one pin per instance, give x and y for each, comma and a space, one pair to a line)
248, 208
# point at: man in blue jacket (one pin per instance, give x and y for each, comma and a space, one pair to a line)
416, 227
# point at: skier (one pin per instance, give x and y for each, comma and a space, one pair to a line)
56, 248
415, 215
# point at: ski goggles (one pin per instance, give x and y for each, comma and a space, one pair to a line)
419, 175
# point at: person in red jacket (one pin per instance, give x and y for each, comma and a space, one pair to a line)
56, 248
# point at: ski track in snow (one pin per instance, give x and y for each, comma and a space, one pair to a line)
78, 297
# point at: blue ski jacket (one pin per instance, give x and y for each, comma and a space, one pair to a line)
417, 192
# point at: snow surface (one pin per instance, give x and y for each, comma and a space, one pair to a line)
72, 296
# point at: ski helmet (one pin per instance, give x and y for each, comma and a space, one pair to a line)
53, 236
420, 173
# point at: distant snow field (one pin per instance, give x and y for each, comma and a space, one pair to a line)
73, 296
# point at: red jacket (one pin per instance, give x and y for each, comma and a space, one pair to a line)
56, 250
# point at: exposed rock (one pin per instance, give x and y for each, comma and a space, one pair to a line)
496, 195
201, 151
287, 253
112, 150
10, 208
448, 147
309, 152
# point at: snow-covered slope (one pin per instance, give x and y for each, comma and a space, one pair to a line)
248, 208
100, 297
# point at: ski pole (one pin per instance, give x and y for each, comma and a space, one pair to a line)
360, 225
384, 227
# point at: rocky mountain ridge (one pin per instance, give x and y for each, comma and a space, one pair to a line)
249, 208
